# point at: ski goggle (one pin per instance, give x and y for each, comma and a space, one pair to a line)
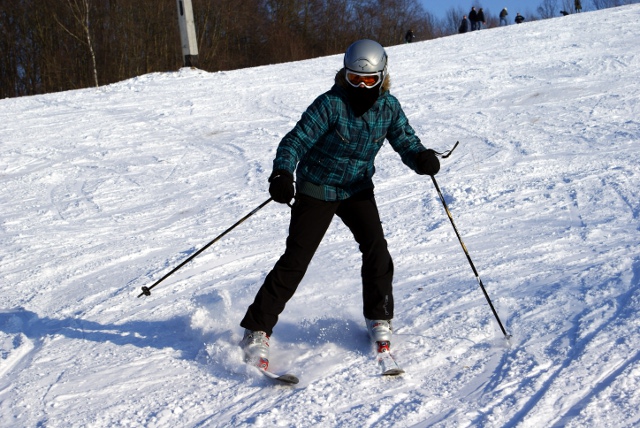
369, 80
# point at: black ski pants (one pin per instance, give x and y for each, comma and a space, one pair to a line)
310, 219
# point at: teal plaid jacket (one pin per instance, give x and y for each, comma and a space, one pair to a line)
332, 151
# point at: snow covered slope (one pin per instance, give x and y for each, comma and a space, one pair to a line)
103, 191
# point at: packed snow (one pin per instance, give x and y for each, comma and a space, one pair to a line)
105, 190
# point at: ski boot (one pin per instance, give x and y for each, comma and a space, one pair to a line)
255, 346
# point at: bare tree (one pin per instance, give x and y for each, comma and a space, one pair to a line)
567, 6
80, 11
604, 4
548, 9
453, 18
54, 45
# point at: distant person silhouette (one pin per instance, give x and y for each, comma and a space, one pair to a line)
409, 36
503, 17
464, 25
473, 17
480, 20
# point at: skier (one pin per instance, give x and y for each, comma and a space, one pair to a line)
332, 150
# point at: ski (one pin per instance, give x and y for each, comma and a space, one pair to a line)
263, 365
287, 378
387, 363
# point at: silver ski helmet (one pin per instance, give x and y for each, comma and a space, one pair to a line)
366, 57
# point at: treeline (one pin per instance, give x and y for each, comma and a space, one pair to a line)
57, 45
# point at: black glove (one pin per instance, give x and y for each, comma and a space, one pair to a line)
281, 187
427, 162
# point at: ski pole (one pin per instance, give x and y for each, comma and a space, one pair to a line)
146, 291
486, 295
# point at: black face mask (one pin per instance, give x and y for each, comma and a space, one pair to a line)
362, 99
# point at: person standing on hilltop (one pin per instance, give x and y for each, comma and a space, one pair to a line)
464, 25
481, 22
408, 38
473, 18
503, 17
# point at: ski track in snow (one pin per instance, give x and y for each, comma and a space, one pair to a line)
105, 190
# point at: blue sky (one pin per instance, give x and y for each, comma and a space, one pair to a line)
525, 7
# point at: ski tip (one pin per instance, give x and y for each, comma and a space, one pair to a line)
393, 372
288, 379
